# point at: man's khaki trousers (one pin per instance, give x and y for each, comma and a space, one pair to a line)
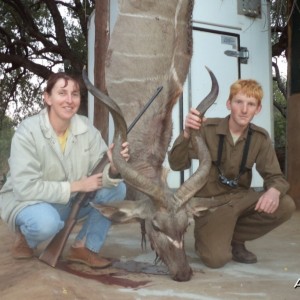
236, 221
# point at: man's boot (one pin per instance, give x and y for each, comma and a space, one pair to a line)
241, 254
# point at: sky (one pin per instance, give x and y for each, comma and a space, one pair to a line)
282, 64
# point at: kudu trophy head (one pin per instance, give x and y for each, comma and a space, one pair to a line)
151, 46
166, 213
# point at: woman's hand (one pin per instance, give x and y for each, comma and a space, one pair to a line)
124, 153
87, 184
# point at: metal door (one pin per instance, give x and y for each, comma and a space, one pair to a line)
210, 49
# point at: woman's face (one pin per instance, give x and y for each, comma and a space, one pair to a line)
64, 100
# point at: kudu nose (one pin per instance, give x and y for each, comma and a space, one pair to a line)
183, 275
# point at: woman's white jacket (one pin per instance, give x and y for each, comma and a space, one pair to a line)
40, 172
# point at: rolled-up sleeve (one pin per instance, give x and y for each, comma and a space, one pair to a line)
268, 167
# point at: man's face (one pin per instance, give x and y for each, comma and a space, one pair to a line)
243, 109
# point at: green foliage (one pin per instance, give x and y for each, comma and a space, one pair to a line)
278, 13
279, 129
279, 119
6, 133
20, 95
38, 38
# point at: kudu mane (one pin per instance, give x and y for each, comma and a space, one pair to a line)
150, 46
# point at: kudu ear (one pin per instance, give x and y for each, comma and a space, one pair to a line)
198, 206
123, 211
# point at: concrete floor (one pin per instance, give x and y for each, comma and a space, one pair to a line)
273, 277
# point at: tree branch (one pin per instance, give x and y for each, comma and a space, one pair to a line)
282, 44
277, 78
18, 61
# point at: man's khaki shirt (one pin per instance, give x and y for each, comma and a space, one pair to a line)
261, 153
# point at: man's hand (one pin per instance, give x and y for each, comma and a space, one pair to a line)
192, 121
268, 202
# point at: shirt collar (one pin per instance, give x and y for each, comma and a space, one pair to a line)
77, 125
223, 128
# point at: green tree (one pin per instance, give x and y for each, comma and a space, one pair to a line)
279, 37
38, 37
6, 133
279, 115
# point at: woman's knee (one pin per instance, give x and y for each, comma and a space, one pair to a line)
41, 227
113, 194
121, 190
48, 226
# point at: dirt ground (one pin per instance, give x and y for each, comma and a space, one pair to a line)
273, 277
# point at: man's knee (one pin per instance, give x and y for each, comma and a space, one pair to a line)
215, 260
287, 207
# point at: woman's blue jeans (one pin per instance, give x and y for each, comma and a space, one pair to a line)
41, 221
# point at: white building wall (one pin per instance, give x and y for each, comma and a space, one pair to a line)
218, 27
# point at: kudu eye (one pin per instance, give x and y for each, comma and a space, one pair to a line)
155, 225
